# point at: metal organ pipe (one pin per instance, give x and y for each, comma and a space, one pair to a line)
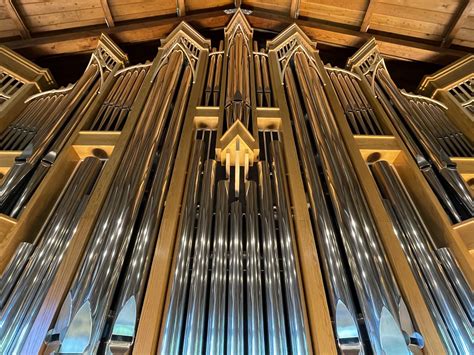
340, 296
437, 154
380, 300
418, 240
48, 250
84, 313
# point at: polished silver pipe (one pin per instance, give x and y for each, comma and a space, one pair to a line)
210, 78
27, 161
287, 241
267, 89
130, 98
420, 280
352, 104
255, 325
235, 305
13, 270
52, 241
375, 285
216, 91
365, 106
130, 296
459, 282
418, 238
258, 75
84, 312
50, 157
445, 166
277, 338
171, 342
216, 328
423, 164
342, 304
345, 104
195, 320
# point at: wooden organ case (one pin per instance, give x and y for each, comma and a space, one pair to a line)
232, 197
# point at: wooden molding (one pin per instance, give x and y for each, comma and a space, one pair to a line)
15, 16
109, 19
457, 22
180, 7
368, 16
295, 8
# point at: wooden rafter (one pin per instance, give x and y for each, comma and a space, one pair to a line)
109, 19
15, 16
181, 7
457, 22
295, 8
147, 30
368, 16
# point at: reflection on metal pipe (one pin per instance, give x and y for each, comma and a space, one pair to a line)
377, 291
131, 294
340, 297
287, 237
171, 343
417, 239
194, 331
34, 282
84, 313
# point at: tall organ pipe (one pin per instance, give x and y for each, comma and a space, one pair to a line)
18, 175
131, 293
423, 164
25, 301
48, 160
445, 166
84, 312
235, 306
273, 295
377, 291
171, 343
195, 321
340, 296
417, 238
216, 335
255, 327
287, 236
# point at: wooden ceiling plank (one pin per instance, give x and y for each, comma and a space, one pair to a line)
109, 19
181, 8
368, 16
15, 16
457, 22
151, 29
295, 8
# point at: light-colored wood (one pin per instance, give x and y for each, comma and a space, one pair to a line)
368, 15
295, 8
88, 142
7, 159
465, 231
378, 148
268, 118
107, 14
466, 169
160, 278
15, 16
181, 9
206, 117
457, 22
6, 224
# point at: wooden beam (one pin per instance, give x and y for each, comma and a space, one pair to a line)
368, 16
456, 22
295, 8
80, 40
109, 19
15, 16
181, 7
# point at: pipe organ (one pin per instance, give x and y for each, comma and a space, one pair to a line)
235, 197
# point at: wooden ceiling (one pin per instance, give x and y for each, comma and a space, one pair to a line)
427, 30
